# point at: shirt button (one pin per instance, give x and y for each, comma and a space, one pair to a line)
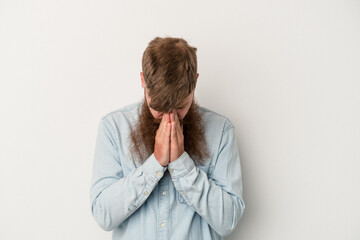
158, 173
171, 170
162, 225
164, 193
146, 192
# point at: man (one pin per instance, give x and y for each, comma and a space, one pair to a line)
165, 167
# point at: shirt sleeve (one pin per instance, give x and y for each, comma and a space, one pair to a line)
113, 196
219, 198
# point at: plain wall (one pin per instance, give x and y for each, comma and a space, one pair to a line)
286, 73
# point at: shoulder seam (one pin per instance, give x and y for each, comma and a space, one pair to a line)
112, 130
227, 129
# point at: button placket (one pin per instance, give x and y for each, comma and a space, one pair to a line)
164, 207
180, 197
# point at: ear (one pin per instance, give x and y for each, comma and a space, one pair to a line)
197, 76
142, 80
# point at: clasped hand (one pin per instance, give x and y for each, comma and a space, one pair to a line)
169, 139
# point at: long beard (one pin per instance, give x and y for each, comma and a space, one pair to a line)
142, 136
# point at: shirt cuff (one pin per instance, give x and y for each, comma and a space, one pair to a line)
181, 166
153, 169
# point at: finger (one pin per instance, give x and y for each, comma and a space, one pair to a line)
162, 126
176, 117
179, 131
165, 120
178, 124
173, 131
172, 117
168, 130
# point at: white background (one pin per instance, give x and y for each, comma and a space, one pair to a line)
286, 73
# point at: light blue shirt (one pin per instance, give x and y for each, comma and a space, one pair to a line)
182, 201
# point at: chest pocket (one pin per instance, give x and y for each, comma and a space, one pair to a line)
208, 168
